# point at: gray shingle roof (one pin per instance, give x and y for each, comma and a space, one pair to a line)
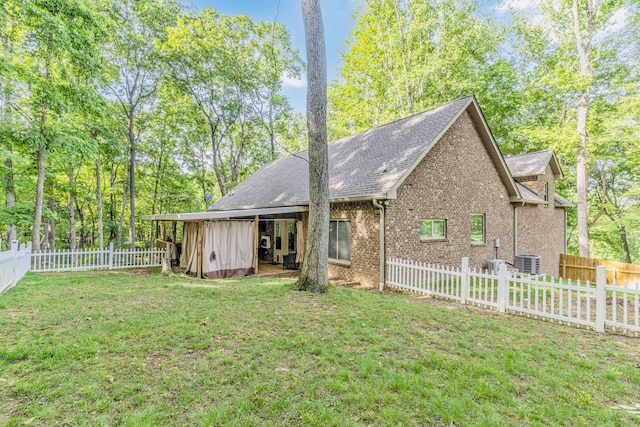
532, 164
528, 194
365, 165
561, 202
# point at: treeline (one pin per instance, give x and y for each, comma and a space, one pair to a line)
112, 109
547, 74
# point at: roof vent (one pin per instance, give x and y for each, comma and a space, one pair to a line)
529, 264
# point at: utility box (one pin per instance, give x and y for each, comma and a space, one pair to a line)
494, 265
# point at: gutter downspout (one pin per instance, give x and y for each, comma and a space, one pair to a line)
381, 207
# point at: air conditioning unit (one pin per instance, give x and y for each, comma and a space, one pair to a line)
529, 264
494, 265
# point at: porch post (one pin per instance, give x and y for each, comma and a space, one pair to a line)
256, 243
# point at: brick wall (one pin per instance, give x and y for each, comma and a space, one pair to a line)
365, 243
541, 229
455, 179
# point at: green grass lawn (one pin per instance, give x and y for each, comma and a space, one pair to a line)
126, 348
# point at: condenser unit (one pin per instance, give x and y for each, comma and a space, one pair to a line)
528, 264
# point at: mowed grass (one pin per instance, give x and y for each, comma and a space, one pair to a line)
127, 348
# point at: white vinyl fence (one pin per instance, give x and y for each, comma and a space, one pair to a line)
95, 259
14, 264
598, 306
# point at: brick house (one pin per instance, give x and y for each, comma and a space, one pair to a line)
535, 175
435, 183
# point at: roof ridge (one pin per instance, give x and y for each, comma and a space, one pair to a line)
402, 119
529, 154
375, 128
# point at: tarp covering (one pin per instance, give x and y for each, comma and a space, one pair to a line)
189, 257
228, 249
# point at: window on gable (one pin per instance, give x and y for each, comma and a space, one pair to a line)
545, 194
433, 229
340, 240
477, 228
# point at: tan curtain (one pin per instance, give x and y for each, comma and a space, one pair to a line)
228, 249
189, 257
299, 242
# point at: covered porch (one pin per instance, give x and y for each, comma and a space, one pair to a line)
234, 243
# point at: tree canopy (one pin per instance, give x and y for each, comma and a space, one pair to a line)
113, 109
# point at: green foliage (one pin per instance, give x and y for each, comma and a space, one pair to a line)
229, 69
405, 57
203, 95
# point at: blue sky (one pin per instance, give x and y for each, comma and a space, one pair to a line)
336, 16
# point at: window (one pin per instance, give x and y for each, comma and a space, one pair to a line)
340, 240
545, 195
477, 228
433, 229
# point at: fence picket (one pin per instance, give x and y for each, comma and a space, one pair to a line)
544, 297
94, 259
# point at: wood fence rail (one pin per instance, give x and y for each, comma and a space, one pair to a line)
580, 268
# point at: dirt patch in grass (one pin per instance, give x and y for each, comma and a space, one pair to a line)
140, 272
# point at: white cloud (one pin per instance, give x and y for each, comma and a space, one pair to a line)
294, 82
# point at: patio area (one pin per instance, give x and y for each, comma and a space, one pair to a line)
269, 269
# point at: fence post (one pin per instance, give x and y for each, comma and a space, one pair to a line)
601, 297
110, 255
464, 290
503, 288
14, 245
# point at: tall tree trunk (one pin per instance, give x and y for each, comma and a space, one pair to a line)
9, 193
314, 275
51, 223
625, 243
9, 183
112, 201
583, 45
132, 184
72, 211
122, 208
99, 202
156, 184
272, 133
215, 147
37, 216
85, 235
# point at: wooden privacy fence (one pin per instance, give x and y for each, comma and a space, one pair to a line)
14, 264
599, 306
95, 259
580, 268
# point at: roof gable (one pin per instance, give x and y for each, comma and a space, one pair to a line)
368, 165
532, 164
